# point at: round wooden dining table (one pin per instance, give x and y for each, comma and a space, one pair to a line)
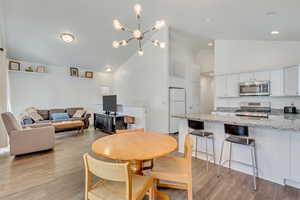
135, 148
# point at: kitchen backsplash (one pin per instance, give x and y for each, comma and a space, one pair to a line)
276, 102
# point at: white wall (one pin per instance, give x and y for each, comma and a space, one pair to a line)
183, 70
239, 55
205, 59
3, 95
143, 80
233, 56
56, 89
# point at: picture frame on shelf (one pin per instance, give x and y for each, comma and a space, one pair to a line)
89, 74
74, 71
41, 69
14, 65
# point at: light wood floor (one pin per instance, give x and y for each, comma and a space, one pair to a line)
59, 175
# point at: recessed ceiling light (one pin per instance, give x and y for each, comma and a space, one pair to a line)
207, 20
210, 44
271, 13
108, 68
275, 32
67, 37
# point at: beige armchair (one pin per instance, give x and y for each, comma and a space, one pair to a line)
29, 139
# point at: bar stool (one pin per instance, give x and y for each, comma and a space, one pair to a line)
198, 131
239, 135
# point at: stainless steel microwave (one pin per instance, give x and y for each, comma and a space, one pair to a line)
255, 88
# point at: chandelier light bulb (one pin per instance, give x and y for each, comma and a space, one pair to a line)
141, 52
155, 42
124, 43
117, 25
162, 45
116, 44
159, 24
137, 34
137, 9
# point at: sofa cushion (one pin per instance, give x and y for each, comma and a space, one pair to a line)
44, 114
35, 116
79, 113
59, 110
72, 111
58, 116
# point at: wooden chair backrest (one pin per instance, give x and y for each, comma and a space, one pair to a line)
108, 171
139, 130
188, 147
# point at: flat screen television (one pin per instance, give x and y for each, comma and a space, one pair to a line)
110, 103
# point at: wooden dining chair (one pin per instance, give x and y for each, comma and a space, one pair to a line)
146, 164
117, 183
139, 130
176, 170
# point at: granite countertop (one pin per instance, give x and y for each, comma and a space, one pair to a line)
282, 122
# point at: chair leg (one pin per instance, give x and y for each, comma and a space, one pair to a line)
230, 153
213, 146
253, 167
206, 150
151, 193
190, 191
221, 155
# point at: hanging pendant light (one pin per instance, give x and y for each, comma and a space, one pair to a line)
138, 34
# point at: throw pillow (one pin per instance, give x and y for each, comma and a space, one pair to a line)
35, 116
79, 113
58, 116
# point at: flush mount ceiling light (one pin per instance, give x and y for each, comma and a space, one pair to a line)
108, 68
67, 37
275, 32
138, 34
210, 44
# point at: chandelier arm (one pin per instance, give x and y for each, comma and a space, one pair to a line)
130, 39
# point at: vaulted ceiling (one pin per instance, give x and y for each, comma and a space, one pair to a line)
32, 27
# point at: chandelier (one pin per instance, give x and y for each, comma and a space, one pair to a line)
138, 34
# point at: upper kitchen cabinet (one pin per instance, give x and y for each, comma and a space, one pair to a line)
227, 85
291, 81
246, 77
277, 82
255, 76
221, 86
233, 81
262, 76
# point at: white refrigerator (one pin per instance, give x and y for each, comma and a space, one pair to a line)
177, 106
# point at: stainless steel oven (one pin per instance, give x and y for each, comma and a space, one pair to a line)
255, 88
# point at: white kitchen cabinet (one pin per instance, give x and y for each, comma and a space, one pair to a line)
255, 76
262, 76
291, 81
246, 77
277, 82
233, 81
221, 86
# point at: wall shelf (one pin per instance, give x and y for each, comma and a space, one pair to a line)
24, 72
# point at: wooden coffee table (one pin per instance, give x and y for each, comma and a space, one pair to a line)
69, 125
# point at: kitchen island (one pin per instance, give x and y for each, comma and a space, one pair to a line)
277, 143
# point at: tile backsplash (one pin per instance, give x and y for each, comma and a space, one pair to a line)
276, 102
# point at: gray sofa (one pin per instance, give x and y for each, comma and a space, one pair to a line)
30, 139
46, 114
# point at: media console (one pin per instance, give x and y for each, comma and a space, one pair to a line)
110, 123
